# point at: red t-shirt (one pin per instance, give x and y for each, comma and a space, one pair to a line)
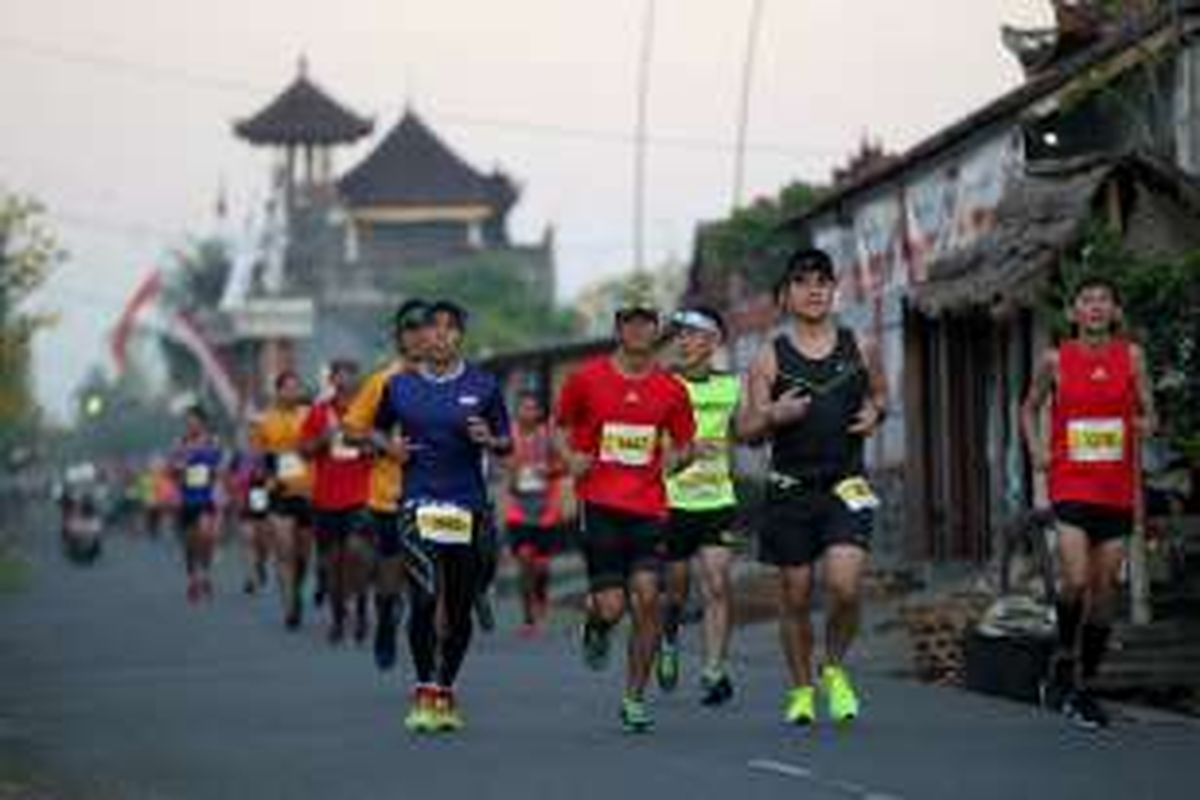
341, 474
620, 421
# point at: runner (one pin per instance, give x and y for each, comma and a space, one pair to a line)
533, 512
410, 331
197, 462
1101, 406
341, 481
614, 413
815, 392
277, 437
248, 486
703, 507
451, 414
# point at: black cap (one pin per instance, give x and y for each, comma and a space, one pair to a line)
809, 259
457, 312
412, 313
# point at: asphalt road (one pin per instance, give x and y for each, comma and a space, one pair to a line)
112, 687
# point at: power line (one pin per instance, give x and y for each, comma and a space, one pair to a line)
193, 79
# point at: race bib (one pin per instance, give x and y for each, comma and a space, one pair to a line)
444, 524
530, 480
259, 500
856, 494
1096, 439
291, 466
340, 451
627, 445
197, 476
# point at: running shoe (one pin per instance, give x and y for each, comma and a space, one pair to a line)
667, 665
597, 646
1081, 708
635, 715
446, 716
422, 716
360, 628
801, 706
715, 688
295, 614
840, 694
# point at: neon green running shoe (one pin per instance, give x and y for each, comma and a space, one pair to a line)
422, 714
667, 666
801, 706
635, 716
843, 701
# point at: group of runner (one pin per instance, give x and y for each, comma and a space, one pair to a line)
387, 480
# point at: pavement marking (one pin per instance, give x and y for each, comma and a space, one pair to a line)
804, 773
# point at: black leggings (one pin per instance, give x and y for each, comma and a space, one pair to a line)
458, 572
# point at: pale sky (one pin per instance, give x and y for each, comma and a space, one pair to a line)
117, 115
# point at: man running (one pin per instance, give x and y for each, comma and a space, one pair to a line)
703, 507
410, 332
1101, 406
622, 416
450, 415
815, 392
277, 436
341, 480
248, 486
533, 513
197, 462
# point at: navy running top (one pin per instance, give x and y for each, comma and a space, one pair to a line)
198, 463
431, 412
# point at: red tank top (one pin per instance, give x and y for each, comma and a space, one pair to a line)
535, 491
1091, 418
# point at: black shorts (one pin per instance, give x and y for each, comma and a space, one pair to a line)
798, 525
190, 515
338, 526
540, 542
616, 544
385, 526
688, 531
287, 505
1100, 523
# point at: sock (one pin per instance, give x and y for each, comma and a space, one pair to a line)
1093, 646
1070, 616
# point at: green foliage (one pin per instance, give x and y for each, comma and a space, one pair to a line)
198, 275
506, 312
1160, 298
115, 418
753, 241
29, 251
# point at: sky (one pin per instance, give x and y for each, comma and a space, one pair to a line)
117, 116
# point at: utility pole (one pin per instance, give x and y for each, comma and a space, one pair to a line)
743, 121
639, 154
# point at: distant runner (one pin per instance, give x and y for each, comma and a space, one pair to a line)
1101, 407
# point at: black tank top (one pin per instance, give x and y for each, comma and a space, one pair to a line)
819, 446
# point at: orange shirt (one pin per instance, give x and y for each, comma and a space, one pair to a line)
359, 420
278, 432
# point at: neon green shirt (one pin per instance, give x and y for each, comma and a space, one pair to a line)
707, 485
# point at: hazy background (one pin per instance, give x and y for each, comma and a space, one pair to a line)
117, 114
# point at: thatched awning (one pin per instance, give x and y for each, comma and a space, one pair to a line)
1039, 218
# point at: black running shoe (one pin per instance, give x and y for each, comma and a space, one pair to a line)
1081, 708
715, 691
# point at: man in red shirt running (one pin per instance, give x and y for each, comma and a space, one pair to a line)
624, 419
341, 481
1101, 406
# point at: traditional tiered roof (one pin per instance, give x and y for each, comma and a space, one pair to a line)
413, 167
303, 114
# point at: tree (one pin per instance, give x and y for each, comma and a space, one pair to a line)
753, 240
1160, 298
29, 251
503, 316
